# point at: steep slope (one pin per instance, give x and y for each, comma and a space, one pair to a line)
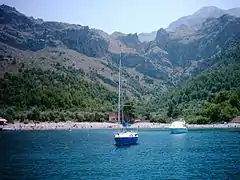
218, 86
93, 55
191, 22
39, 43
201, 15
200, 44
150, 64
33, 92
26, 33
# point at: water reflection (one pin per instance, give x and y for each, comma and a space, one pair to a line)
125, 146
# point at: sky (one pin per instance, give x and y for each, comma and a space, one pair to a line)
127, 16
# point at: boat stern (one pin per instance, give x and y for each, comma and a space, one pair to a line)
126, 138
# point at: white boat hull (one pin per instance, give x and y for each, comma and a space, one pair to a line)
178, 130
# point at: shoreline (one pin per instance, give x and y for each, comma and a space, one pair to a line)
107, 125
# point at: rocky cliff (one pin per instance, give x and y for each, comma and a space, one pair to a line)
27, 42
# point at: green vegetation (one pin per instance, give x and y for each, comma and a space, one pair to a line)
129, 110
61, 95
222, 106
47, 95
212, 96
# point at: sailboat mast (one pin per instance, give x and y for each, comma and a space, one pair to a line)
122, 103
119, 89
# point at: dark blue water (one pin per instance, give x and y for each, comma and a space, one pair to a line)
91, 154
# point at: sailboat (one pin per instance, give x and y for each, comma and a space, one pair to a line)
124, 137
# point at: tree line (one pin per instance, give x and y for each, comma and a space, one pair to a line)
35, 91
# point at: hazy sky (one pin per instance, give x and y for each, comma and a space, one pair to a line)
128, 16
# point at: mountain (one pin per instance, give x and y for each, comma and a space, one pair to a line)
71, 53
233, 12
42, 44
185, 45
193, 21
146, 37
201, 15
213, 95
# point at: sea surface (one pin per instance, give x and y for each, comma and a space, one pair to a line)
91, 154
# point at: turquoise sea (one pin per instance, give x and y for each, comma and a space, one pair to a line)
91, 154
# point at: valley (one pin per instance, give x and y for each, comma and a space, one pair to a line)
54, 71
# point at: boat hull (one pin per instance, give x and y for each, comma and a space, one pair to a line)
126, 140
178, 130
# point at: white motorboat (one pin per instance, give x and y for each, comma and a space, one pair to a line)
178, 126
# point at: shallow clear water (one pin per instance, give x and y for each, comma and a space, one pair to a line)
91, 154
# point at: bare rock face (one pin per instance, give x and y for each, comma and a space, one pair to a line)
157, 59
83, 40
26, 33
202, 15
131, 40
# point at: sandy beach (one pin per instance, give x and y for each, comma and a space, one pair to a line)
105, 125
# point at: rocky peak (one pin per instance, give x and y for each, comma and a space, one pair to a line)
7, 8
209, 11
117, 34
130, 40
27, 33
162, 34
201, 15
11, 15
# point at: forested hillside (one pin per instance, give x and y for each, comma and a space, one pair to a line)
33, 92
214, 95
55, 71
